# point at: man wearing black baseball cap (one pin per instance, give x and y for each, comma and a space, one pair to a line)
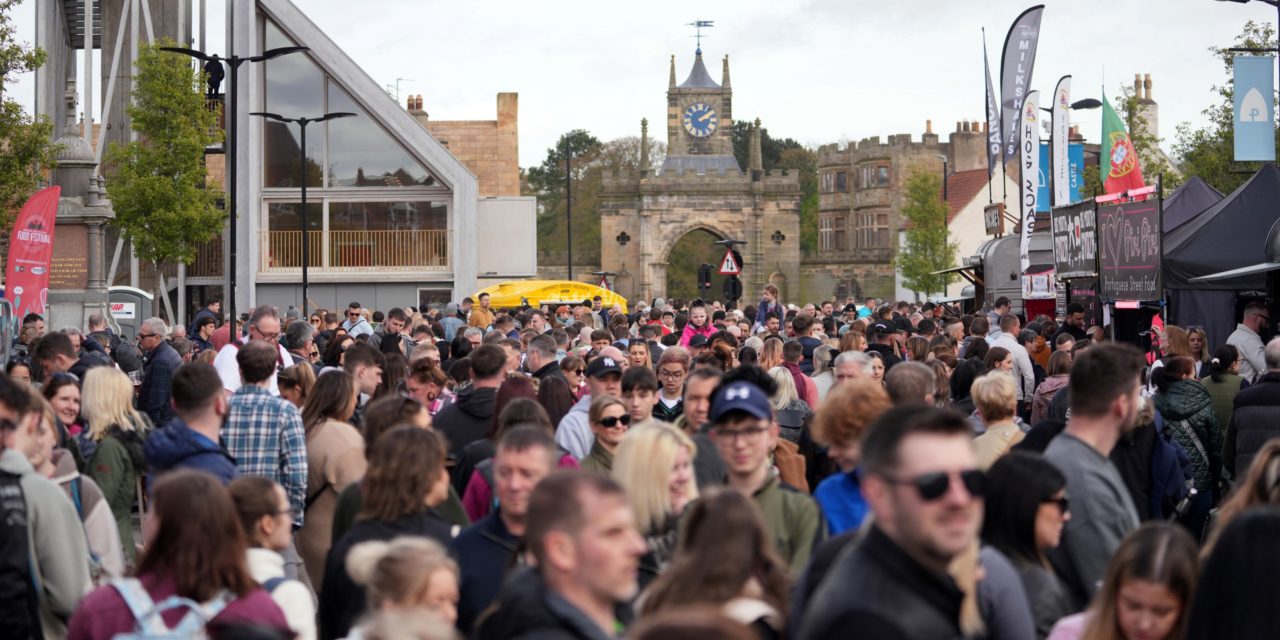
604, 377
745, 434
880, 338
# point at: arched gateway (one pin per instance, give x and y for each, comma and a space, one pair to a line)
700, 188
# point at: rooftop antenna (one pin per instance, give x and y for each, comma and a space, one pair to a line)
698, 26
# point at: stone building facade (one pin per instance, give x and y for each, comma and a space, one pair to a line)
700, 186
489, 148
861, 190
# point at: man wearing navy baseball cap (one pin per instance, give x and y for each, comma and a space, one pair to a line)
745, 434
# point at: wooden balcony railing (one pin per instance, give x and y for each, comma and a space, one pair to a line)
422, 250
209, 260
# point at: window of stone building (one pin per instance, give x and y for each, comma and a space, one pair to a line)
872, 230
838, 233
825, 233
842, 181
882, 175
828, 182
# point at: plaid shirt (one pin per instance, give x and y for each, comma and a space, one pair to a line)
264, 434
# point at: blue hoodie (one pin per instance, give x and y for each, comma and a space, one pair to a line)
177, 446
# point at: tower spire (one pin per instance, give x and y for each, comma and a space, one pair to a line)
755, 161
645, 167
671, 84
724, 76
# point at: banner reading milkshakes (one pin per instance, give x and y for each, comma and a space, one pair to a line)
1030, 179
26, 278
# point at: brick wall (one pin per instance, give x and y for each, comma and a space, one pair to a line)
489, 148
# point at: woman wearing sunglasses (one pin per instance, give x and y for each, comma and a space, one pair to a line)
609, 422
1026, 509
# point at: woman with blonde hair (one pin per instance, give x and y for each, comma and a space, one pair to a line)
770, 353
609, 421
996, 399
1198, 341
791, 413
855, 339
407, 574
654, 464
112, 445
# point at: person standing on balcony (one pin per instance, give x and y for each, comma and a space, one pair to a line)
481, 316
355, 324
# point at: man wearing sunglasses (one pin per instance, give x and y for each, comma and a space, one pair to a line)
355, 324
1105, 388
920, 478
745, 433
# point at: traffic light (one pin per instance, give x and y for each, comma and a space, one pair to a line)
704, 279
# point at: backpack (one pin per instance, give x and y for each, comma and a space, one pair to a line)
148, 623
20, 611
96, 572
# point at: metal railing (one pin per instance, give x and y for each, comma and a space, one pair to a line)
209, 260
413, 250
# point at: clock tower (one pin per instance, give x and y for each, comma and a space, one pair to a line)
700, 121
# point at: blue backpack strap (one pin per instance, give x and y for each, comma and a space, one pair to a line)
271, 584
140, 604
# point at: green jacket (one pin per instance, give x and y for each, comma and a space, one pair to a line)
793, 520
1224, 397
112, 467
598, 461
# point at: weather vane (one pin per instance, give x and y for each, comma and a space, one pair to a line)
698, 26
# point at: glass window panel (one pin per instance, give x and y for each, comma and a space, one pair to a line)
294, 89
283, 242
362, 154
842, 181
388, 234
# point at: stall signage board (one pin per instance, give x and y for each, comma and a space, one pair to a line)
1129, 250
1075, 240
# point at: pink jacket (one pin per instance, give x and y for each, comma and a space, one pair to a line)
690, 331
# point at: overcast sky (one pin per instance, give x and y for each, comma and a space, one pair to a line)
819, 71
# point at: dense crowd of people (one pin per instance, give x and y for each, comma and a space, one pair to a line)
675, 470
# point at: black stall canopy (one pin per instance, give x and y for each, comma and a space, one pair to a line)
1229, 235
1194, 196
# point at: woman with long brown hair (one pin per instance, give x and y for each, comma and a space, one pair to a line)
1147, 592
407, 477
740, 574
198, 552
335, 459
1261, 486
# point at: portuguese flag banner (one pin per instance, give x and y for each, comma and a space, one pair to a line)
1125, 172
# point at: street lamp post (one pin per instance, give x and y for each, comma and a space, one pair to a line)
1084, 103
302, 161
212, 63
568, 202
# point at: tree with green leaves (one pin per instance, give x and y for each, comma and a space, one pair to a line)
1209, 151
547, 182
26, 147
927, 247
158, 184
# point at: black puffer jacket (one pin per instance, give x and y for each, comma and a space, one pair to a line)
1256, 420
468, 419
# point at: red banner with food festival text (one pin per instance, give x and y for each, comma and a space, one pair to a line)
26, 278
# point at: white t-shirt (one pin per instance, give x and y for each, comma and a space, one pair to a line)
229, 370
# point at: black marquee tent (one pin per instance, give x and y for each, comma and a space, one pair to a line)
1187, 201
1229, 235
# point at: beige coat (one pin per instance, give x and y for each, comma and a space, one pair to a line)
335, 459
997, 441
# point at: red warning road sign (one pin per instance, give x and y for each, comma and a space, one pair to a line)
729, 266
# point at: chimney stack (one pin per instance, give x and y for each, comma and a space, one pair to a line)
928, 126
1137, 86
1146, 86
977, 126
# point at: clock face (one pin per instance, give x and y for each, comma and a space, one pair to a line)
700, 120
